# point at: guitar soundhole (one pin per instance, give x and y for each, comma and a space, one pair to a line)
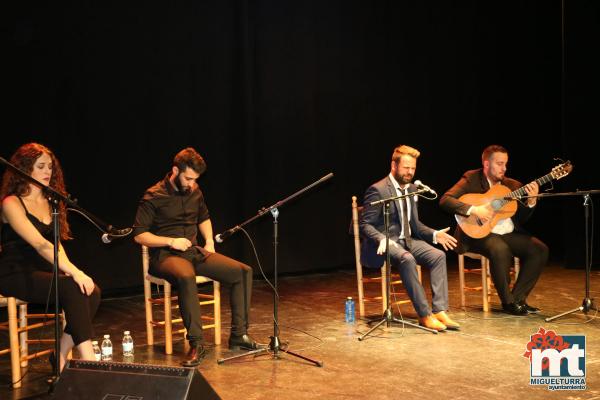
497, 204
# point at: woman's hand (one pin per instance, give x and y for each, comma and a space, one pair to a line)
86, 284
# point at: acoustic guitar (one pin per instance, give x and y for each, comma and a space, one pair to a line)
502, 201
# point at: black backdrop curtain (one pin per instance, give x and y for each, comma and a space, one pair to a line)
276, 94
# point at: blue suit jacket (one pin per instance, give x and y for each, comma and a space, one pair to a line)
372, 227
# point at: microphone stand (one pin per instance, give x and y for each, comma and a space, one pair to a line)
388, 315
588, 303
55, 198
275, 343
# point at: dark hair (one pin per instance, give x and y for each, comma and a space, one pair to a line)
491, 149
24, 159
189, 157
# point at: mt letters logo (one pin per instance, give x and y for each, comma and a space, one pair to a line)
557, 361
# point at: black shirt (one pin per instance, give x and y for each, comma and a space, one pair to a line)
17, 255
165, 211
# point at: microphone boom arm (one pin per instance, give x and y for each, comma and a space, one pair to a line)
71, 205
222, 236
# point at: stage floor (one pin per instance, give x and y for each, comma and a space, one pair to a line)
482, 360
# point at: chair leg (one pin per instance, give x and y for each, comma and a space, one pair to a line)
361, 292
358, 265
360, 286
461, 280
13, 333
23, 335
168, 320
217, 310
484, 283
149, 317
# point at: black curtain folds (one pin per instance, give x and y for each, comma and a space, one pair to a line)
277, 94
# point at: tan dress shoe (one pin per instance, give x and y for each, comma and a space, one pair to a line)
446, 320
431, 323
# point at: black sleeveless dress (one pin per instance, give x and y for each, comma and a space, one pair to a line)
26, 275
16, 255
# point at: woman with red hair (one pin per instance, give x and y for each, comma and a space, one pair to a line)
27, 249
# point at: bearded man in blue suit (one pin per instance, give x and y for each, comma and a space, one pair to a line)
411, 241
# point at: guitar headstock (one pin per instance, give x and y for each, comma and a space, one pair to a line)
562, 170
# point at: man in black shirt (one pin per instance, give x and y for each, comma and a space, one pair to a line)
168, 219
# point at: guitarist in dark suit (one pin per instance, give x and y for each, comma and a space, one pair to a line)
507, 237
410, 240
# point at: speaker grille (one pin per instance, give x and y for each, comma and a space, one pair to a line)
112, 381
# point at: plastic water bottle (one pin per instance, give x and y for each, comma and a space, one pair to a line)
107, 348
97, 352
127, 344
349, 310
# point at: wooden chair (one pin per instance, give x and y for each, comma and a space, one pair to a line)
380, 279
18, 327
166, 300
486, 281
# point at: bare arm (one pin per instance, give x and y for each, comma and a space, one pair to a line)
14, 214
151, 240
206, 230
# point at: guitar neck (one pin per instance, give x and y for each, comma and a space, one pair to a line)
522, 192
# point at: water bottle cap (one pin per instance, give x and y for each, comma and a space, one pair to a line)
349, 297
94, 342
106, 336
126, 333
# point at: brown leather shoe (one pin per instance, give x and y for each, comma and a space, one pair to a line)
194, 356
446, 320
431, 323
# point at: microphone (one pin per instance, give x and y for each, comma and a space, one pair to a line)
420, 185
115, 234
222, 236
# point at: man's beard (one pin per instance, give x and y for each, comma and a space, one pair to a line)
180, 188
495, 179
403, 179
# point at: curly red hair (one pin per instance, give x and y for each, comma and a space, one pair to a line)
24, 159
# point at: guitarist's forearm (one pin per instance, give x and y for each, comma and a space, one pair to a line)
454, 206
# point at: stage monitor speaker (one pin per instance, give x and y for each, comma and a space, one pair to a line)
123, 381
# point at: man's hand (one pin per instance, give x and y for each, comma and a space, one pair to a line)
532, 189
381, 248
448, 242
181, 244
483, 212
209, 246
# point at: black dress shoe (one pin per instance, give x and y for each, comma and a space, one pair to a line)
195, 356
514, 308
242, 342
530, 309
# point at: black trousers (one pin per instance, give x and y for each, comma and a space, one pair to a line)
181, 273
79, 308
500, 250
